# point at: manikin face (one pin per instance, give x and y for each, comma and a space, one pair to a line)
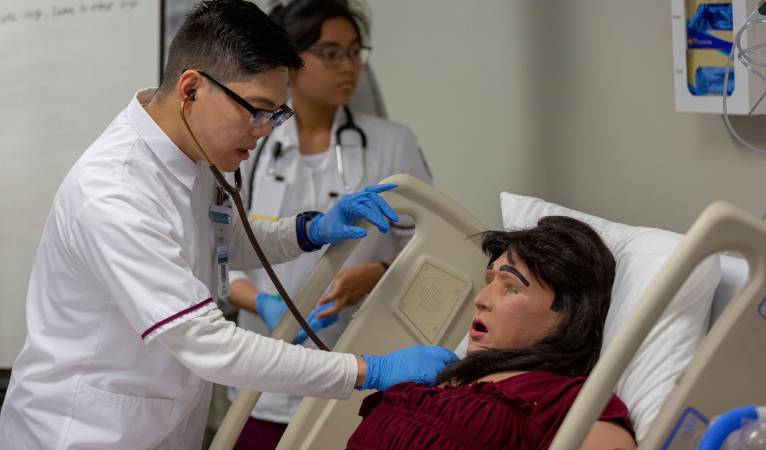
324, 83
514, 308
222, 125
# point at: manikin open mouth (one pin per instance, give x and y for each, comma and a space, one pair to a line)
478, 328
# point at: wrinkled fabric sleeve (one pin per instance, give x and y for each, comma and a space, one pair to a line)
218, 351
277, 239
128, 246
241, 275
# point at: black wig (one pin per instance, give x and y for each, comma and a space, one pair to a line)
569, 257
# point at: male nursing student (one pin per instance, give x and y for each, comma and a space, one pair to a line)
123, 334
296, 169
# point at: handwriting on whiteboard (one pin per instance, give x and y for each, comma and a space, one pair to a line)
55, 12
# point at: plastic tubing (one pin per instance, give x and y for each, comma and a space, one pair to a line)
727, 423
744, 56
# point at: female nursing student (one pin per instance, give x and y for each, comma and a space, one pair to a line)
297, 168
124, 337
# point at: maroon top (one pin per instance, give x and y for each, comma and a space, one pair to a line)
521, 412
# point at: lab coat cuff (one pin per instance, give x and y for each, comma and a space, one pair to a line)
300, 230
238, 275
352, 370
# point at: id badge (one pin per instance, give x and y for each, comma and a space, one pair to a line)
222, 266
220, 214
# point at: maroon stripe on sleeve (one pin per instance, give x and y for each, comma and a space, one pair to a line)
176, 316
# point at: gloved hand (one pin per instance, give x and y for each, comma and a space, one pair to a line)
338, 223
271, 308
419, 363
315, 322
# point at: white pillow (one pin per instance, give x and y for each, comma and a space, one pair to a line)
640, 252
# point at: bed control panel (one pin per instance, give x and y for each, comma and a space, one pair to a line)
433, 298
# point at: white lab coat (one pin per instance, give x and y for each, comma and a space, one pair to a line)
307, 184
126, 259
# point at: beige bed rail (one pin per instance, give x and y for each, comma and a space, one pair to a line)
427, 293
728, 369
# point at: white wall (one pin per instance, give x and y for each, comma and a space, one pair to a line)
62, 88
619, 148
571, 101
457, 73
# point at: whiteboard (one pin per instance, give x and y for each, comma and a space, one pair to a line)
66, 69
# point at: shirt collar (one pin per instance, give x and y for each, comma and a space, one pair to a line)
175, 160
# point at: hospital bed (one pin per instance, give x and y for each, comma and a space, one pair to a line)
425, 298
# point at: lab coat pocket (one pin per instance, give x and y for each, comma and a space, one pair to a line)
102, 419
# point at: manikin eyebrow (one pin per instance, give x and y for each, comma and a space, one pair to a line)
510, 269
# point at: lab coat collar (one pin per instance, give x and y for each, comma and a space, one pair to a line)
287, 134
172, 157
340, 117
350, 139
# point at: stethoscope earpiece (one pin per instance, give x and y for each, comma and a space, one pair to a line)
192, 95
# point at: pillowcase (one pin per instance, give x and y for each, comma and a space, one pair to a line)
640, 253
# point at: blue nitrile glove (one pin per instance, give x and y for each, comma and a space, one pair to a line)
338, 223
420, 364
315, 323
271, 308
709, 80
711, 16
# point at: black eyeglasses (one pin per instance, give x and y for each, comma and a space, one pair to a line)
258, 116
332, 56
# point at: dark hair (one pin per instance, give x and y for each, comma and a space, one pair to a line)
569, 257
230, 39
303, 19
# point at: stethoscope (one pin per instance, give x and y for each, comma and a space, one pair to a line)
278, 153
233, 191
